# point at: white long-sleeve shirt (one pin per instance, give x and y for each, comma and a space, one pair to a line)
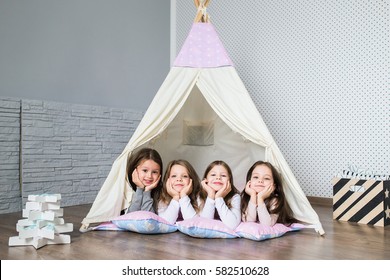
230, 217
260, 211
171, 212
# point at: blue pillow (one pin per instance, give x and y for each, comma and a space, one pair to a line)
205, 228
144, 222
107, 226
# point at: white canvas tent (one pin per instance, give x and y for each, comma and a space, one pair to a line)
202, 112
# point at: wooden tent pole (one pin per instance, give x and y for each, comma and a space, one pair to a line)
201, 5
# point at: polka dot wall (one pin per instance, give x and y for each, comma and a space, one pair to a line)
319, 74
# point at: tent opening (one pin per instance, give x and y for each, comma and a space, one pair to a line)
217, 140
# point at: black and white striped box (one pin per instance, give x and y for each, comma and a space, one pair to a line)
361, 201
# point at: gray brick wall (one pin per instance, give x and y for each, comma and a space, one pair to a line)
70, 148
10, 198
65, 148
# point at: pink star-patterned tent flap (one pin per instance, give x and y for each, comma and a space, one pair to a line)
202, 49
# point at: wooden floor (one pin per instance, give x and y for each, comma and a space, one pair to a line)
342, 241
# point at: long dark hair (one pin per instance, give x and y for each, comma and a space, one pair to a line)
233, 191
136, 159
196, 186
277, 198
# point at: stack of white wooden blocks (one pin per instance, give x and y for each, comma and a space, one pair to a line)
43, 224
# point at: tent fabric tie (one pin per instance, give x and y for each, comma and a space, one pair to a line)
203, 10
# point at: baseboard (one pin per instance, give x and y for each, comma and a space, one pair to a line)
324, 201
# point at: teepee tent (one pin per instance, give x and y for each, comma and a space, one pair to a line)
202, 112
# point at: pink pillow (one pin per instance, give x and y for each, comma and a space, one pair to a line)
258, 232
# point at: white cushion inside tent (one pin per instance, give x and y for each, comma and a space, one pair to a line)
228, 146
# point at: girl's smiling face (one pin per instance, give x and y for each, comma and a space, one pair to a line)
179, 177
261, 178
148, 172
217, 177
